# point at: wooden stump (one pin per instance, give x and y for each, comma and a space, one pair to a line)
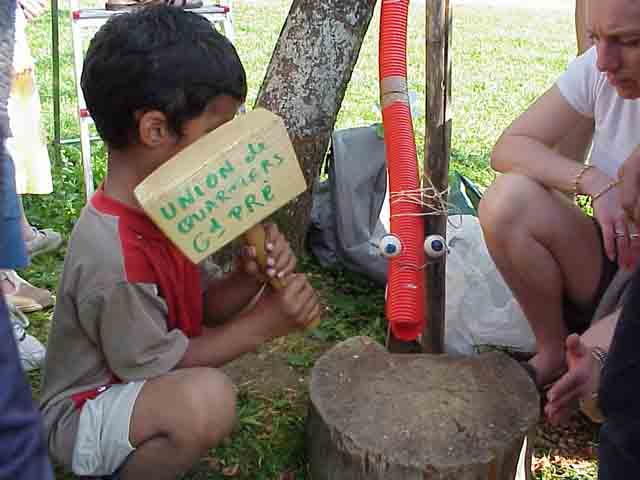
376, 415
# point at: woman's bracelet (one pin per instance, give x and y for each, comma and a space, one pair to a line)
600, 355
576, 181
591, 406
606, 188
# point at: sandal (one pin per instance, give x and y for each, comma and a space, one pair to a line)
43, 241
24, 296
533, 375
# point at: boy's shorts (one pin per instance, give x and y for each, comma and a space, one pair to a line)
102, 443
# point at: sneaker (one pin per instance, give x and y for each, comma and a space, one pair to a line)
32, 352
43, 241
129, 4
24, 296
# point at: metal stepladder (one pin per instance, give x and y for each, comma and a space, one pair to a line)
84, 20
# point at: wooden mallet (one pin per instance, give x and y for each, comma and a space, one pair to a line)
223, 185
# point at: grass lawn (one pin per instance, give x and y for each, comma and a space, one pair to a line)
502, 59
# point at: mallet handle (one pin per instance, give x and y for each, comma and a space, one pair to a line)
256, 237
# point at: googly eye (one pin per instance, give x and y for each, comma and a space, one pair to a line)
435, 246
390, 246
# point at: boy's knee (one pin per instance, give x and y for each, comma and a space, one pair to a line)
210, 400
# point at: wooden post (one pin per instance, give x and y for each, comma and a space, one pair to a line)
436, 158
305, 83
582, 37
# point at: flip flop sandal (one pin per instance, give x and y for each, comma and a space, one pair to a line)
533, 375
24, 296
23, 304
542, 389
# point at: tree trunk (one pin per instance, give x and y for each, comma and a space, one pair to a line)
305, 83
380, 416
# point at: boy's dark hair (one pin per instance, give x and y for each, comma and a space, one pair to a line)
157, 58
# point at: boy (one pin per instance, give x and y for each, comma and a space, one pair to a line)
131, 387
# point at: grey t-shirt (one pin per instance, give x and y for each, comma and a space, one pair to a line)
106, 322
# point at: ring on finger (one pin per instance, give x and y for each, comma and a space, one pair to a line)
632, 236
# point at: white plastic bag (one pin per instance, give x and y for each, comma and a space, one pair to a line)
480, 308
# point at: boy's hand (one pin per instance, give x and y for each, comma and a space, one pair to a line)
280, 261
292, 308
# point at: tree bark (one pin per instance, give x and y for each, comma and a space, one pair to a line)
305, 84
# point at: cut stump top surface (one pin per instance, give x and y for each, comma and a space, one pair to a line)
418, 410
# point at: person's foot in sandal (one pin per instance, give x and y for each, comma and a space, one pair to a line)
42, 241
543, 384
21, 294
129, 4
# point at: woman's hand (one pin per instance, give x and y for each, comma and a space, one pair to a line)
629, 176
580, 381
620, 236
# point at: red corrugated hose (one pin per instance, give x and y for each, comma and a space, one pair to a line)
405, 306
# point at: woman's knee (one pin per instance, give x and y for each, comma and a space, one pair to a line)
506, 202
